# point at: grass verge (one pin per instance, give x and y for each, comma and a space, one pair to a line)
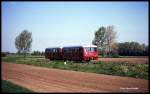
8, 87
111, 68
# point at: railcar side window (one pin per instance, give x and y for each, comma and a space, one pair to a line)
66, 50
76, 50
70, 50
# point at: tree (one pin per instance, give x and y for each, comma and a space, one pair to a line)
114, 48
23, 42
146, 50
100, 38
105, 39
110, 39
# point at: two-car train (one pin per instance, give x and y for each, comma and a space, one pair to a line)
75, 53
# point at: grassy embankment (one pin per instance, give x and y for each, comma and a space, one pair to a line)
112, 68
8, 87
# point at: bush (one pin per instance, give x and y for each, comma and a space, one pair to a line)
3, 54
115, 56
104, 55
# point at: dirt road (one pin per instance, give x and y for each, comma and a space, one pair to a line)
137, 60
54, 80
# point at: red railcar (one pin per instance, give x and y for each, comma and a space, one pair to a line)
53, 53
77, 53
80, 53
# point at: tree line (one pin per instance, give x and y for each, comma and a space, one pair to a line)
37, 53
132, 49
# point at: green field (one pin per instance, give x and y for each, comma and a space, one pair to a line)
8, 87
111, 68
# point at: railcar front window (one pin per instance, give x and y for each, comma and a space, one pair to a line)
94, 49
91, 49
87, 49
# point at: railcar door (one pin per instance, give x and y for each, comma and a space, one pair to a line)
81, 53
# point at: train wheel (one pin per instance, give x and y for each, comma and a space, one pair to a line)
88, 60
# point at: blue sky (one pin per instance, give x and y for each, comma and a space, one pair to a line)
72, 23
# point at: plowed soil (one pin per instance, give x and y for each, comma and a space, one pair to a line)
54, 80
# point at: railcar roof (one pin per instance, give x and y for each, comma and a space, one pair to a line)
80, 46
53, 47
72, 46
89, 46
